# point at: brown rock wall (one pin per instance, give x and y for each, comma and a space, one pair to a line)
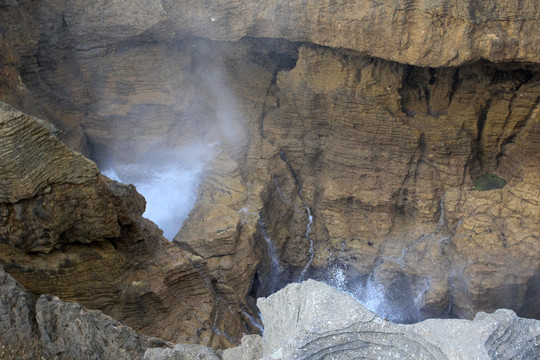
423, 33
385, 156
85, 241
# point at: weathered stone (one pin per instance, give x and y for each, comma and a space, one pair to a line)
386, 165
18, 330
313, 320
424, 33
68, 231
251, 348
51, 328
182, 352
69, 331
382, 155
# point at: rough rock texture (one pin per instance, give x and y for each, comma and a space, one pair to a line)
69, 331
386, 162
251, 348
312, 320
18, 330
50, 328
182, 352
424, 32
349, 166
67, 230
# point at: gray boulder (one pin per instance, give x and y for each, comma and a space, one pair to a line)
312, 320
251, 348
18, 330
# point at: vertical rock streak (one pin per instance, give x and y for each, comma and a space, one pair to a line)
308, 215
275, 267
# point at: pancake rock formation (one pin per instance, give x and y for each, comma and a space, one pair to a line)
69, 231
390, 148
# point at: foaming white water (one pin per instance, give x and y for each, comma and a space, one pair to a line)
311, 250
275, 267
168, 180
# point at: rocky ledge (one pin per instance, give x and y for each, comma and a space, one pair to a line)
308, 320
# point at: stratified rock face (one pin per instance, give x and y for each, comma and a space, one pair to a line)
330, 160
69, 331
386, 161
68, 231
312, 320
424, 32
50, 328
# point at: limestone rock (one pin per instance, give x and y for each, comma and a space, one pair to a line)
182, 352
251, 348
69, 331
51, 328
68, 231
386, 164
381, 155
18, 330
312, 320
424, 33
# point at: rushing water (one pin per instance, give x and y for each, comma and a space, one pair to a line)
311, 250
275, 267
168, 180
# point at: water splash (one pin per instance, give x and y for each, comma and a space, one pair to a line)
275, 266
253, 321
168, 181
311, 250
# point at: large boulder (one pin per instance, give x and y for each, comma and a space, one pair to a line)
312, 320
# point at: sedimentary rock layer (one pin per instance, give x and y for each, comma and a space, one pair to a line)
69, 231
47, 327
423, 33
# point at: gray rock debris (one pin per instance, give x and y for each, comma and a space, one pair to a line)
251, 348
182, 352
312, 320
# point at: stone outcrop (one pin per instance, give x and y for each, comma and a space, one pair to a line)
386, 163
69, 231
423, 33
50, 328
304, 320
312, 320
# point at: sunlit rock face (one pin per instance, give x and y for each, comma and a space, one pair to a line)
348, 137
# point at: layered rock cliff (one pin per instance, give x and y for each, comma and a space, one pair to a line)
388, 147
307, 320
69, 231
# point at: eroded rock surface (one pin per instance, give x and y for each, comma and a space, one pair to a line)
312, 320
354, 169
424, 33
69, 231
50, 328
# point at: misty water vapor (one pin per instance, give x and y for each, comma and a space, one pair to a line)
168, 180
